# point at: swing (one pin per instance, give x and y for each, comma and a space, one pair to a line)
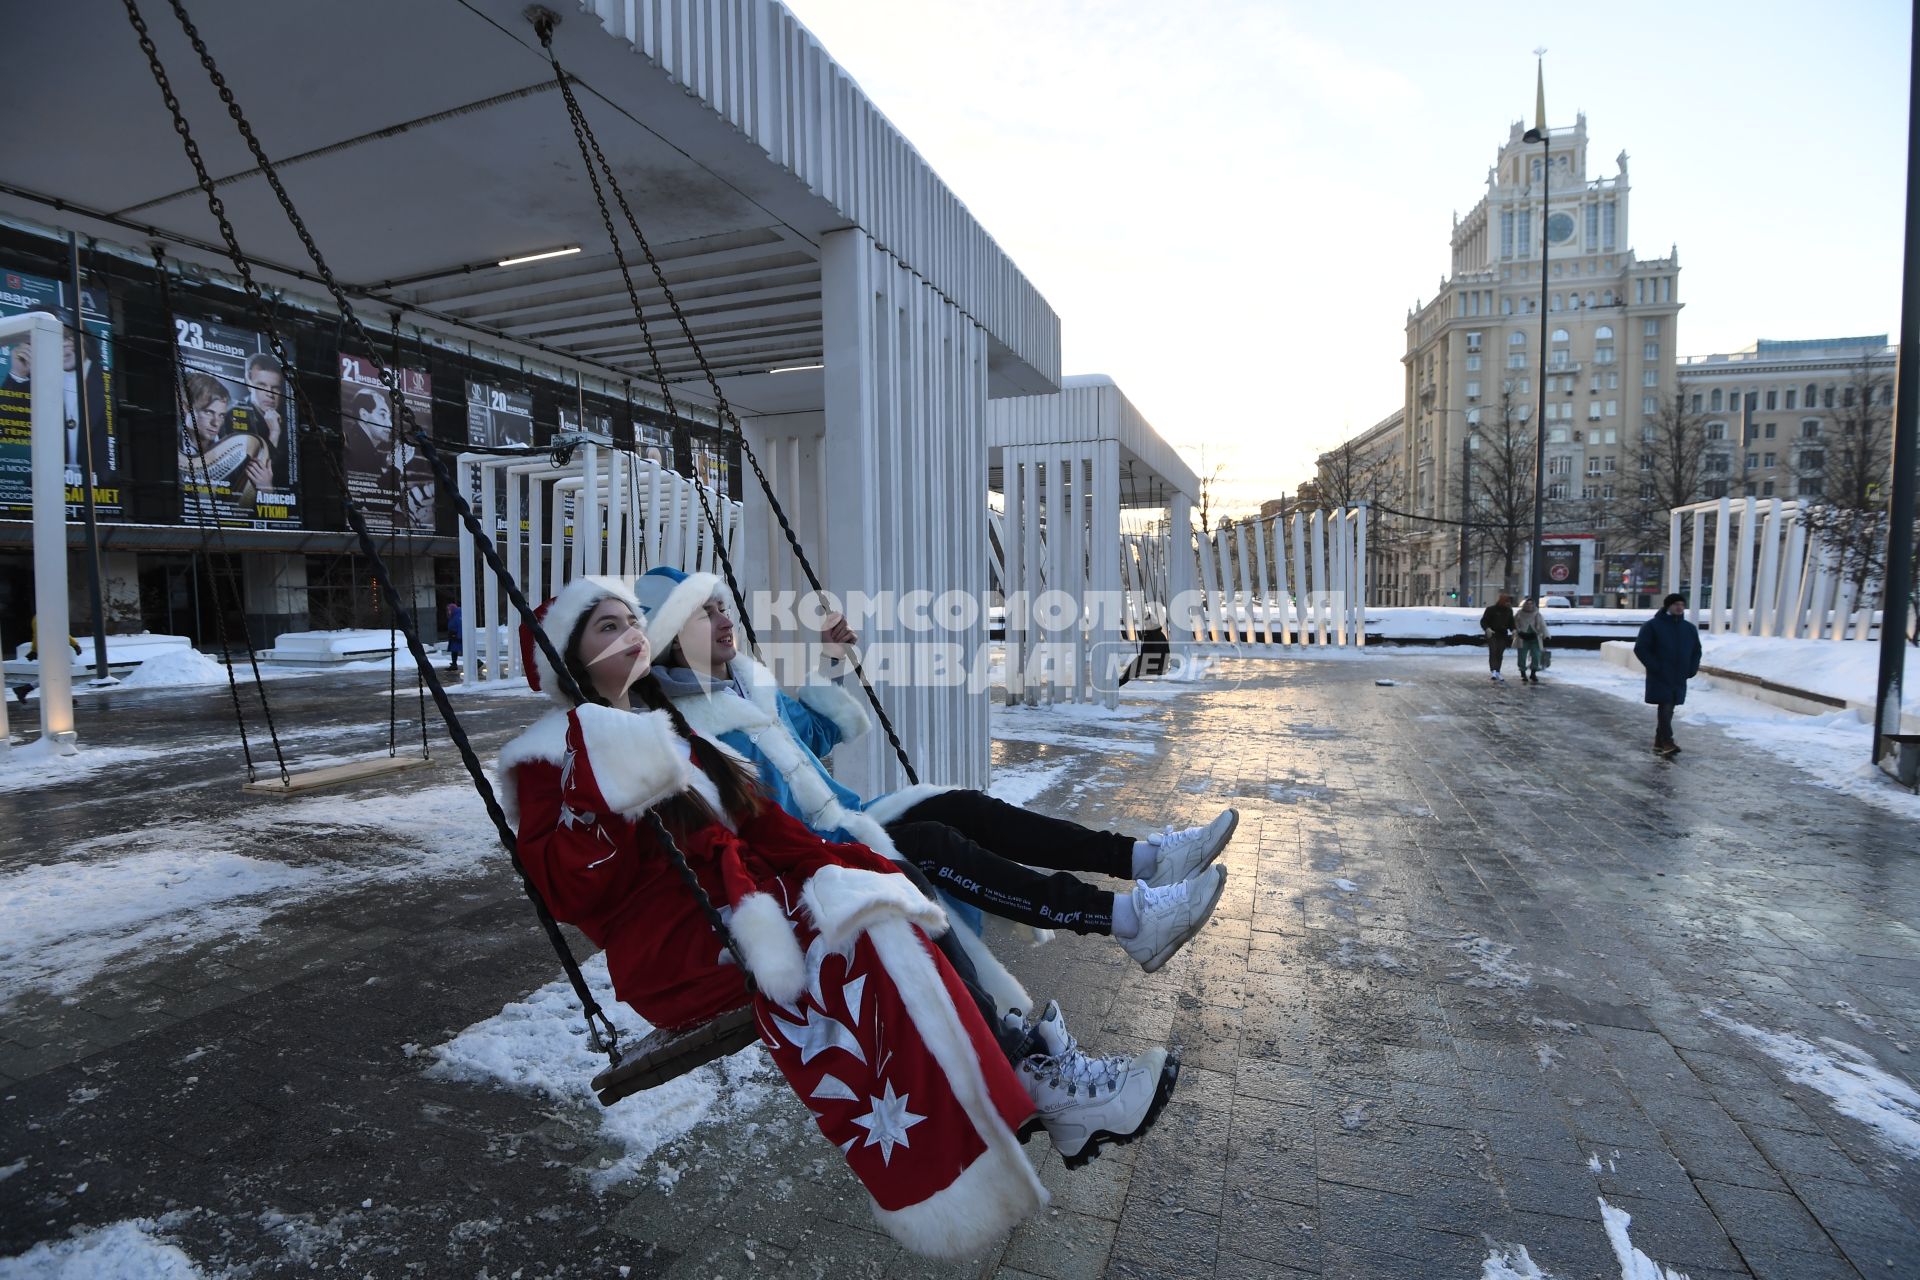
212, 466
662, 1055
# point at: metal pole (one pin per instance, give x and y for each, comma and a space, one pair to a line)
86, 460
1540, 415
1897, 598
1466, 471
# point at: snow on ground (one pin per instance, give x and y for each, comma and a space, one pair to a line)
166, 888
1023, 784
1849, 1078
1510, 1262
34, 765
1634, 1265
127, 1250
1033, 724
1495, 961
175, 669
1830, 749
1844, 669
539, 1046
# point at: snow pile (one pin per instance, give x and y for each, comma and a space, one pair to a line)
176, 669
1844, 669
126, 1249
1495, 961
1850, 1079
1634, 1265
539, 1046
62, 923
1023, 784
1344, 885
1510, 1262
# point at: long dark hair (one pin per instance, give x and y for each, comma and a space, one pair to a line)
739, 790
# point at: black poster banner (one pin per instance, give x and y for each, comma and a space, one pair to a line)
239, 464
20, 294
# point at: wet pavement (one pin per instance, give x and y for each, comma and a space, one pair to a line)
1482, 964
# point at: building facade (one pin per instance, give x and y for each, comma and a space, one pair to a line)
1772, 413
1370, 468
1472, 363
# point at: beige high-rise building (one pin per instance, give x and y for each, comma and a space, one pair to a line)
1473, 356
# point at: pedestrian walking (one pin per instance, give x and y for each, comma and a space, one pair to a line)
456, 638
1530, 633
1497, 623
1668, 646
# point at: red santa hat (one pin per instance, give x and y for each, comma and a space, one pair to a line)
558, 617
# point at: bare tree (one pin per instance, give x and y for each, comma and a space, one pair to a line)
1843, 474
1349, 475
1209, 486
1670, 471
1501, 486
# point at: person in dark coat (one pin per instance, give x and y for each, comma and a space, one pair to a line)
1668, 646
1497, 622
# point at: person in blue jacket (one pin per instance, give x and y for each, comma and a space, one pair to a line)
1668, 646
976, 849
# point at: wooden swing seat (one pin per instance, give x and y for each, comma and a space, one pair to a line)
667, 1055
333, 775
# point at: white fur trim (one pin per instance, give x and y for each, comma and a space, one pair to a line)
837, 705
765, 937
666, 621
999, 1190
577, 599
890, 807
637, 759
544, 740
844, 902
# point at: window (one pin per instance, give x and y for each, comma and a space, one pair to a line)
1613, 408
1557, 436
1696, 402
1753, 460
1526, 235
1650, 352
1810, 487
1517, 338
1560, 360
1773, 399
1886, 393
1559, 466
1810, 429
1646, 462
1792, 395
1473, 389
1473, 364
1560, 335
1646, 490
1473, 341
1593, 225
1846, 397
1517, 361
1506, 235
1771, 460
1716, 488
1648, 406
1606, 491
1650, 378
1603, 355
1557, 490
1606, 299
1716, 402
1610, 433
1473, 417
1609, 464
1556, 297
1813, 459
1607, 236
1716, 431
1813, 394
1593, 411
1769, 429
1651, 329
1593, 466
1766, 488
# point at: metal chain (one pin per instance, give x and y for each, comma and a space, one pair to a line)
219, 535
583, 133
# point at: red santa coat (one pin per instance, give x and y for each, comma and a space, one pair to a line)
868, 1023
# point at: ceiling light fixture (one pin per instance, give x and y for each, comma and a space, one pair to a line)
537, 257
796, 368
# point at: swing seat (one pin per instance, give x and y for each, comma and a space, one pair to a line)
333, 775
667, 1055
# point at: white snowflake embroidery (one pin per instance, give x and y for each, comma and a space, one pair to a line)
887, 1123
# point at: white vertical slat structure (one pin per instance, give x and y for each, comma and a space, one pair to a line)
603, 489
1773, 575
1074, 469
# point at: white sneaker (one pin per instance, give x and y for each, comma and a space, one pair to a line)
1498, 678
1182, 854
1171, 914
1085, 1103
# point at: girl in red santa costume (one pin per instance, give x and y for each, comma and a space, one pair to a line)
883, 1041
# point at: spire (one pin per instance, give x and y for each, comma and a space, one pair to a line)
1540, 90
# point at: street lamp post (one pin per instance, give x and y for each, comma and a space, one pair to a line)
1539, 134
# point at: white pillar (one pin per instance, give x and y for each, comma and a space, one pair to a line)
1360, 575
1301, 625
1260, 567
1767, 589
1743, 576
510, 660
1180, 564
1319, 577
1695, 604
1282, 594
47, 452
1246, 571
1673, 552
1106, 562
1722, 533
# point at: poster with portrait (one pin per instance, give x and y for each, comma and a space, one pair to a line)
390, 479
238, 454
654, 443
88, 415
497, 419
709, 463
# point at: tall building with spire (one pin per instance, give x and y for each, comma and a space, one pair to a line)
1473, 355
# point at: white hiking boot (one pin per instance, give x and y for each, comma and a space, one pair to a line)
1171, 914
1182, 854
1086, 1103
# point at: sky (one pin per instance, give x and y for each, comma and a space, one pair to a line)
1233, 204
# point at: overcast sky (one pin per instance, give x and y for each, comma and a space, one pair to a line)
1233, 203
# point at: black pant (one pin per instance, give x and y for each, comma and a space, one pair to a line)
1663, 730
982, 851
1496, 650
